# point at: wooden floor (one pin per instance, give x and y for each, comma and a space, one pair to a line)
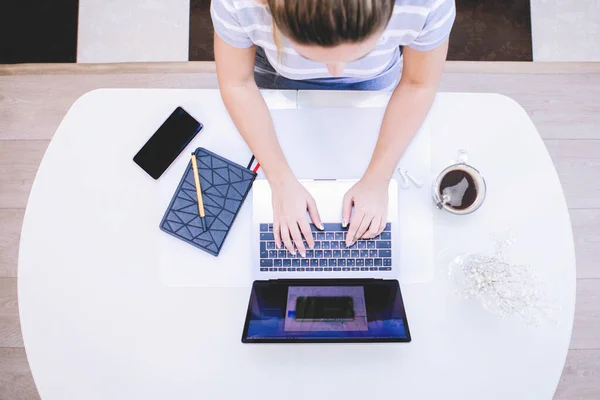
562, 99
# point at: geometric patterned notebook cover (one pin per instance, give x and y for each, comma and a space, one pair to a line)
225, 186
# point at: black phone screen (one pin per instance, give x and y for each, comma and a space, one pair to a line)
166, 144
324, 307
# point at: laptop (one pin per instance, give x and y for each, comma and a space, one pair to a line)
336, 294
331, 258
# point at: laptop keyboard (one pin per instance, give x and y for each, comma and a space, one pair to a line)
330, 252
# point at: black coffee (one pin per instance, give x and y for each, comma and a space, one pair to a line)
460, 186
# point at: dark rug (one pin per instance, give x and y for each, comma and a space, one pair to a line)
485, 30
38, 31
491, 30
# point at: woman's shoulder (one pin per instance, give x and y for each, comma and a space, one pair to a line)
415, 10
416, 3
422, 4
254, 9
422, 24
242, 23
249, 15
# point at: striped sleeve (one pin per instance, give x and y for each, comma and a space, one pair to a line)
437, 26
227, 25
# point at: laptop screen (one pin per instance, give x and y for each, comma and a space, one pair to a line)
351, 310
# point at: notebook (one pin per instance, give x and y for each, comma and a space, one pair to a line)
225, 186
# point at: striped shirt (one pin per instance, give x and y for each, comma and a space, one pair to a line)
419, 24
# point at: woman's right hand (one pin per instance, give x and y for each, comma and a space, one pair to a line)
291, 200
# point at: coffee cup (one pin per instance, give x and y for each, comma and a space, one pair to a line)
459, 188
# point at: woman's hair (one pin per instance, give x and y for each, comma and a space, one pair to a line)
329, 22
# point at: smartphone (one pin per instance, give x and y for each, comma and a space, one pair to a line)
324, 307
166, 144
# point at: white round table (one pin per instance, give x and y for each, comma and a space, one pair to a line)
99, 324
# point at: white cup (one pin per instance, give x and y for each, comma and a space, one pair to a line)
452, 196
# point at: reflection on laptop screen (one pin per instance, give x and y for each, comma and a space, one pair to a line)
311, 311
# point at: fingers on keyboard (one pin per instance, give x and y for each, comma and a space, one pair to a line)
330, 252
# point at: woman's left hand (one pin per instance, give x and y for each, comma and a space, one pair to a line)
370, 199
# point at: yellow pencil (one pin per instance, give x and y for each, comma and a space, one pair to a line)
198, 190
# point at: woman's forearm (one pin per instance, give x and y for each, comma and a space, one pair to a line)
251, 116
403, 117
407, 108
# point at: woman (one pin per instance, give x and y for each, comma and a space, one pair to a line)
336, 45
